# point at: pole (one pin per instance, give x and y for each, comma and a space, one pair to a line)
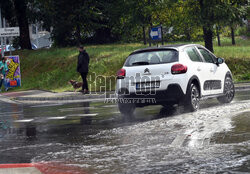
4, 39
37, 36
2, 49
162, 39
11, 46
149, 40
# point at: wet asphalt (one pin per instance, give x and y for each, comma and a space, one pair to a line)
95, 137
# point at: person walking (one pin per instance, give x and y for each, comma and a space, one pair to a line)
3, 70
83, 68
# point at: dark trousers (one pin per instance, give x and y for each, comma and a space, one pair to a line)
2, 82
84, 80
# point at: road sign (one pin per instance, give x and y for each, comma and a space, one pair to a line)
9, 32
156, 33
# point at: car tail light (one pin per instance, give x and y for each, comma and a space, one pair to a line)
178, 69
121, 74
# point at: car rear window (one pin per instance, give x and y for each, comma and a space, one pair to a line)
152, 57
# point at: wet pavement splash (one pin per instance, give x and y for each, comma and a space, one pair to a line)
93, 136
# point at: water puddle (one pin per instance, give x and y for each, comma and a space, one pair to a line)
239, 133
93, 136
238, 140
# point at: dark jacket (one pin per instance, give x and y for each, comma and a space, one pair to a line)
83, 62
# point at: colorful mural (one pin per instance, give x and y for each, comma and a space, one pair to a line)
13, 76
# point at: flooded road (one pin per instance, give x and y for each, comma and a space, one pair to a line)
93, 136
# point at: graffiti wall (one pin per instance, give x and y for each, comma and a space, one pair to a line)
13, 76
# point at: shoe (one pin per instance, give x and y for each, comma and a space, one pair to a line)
86, 92
6, 89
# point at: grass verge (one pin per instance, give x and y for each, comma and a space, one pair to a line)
51, 69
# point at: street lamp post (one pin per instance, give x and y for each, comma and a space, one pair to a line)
1, 25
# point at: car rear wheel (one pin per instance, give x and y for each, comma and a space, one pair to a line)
228, 91
192, 99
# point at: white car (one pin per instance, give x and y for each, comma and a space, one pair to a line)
175, 74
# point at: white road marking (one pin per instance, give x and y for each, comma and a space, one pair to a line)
56, 118
76, 109
45, 105
109, 106
82, 115
24, 121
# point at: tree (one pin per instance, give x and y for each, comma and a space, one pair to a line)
20, 7
142, 14
237, 11
230, 13
207, 20
77, 21
212, 12
19, 16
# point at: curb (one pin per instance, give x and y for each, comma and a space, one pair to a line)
68, 97
39, 168
80, 96
239, 88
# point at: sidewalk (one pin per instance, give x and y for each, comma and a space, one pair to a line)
43, 96
242, 86
33, 96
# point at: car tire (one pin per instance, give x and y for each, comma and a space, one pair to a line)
229, 91
192, 98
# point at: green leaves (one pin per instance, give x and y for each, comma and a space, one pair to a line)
101, 21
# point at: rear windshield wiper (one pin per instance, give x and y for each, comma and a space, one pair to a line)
140, 63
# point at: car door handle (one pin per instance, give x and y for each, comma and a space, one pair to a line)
211, 70
198, 69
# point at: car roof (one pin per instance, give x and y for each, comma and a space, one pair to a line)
177, 47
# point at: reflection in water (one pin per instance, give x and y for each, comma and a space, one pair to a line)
168, 111
238, 139
108, 145
31, 131
87, 119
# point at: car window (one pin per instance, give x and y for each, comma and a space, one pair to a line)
152, 57
207, 56
193, 54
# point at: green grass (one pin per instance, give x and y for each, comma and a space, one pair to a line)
240, 50
51, 69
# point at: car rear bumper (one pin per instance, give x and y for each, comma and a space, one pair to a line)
172, 95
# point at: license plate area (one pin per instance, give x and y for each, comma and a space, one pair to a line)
148, 85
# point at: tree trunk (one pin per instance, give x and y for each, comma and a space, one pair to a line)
187, 33
20, 10
207, 31
218, 35
144, 35
150, 39
149, 17
232, 35
78, 34
248, 25
208, 38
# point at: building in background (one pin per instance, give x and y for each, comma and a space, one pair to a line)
39, 37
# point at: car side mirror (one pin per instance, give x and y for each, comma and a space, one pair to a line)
220, 60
